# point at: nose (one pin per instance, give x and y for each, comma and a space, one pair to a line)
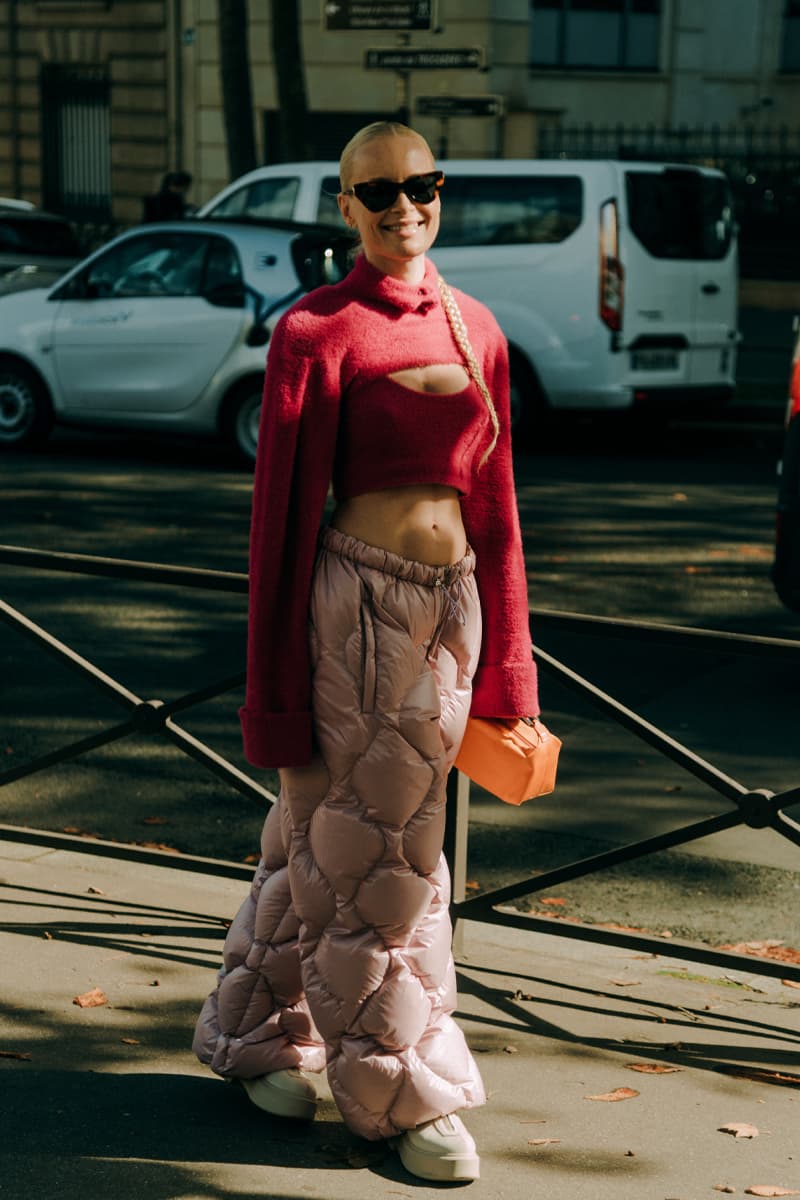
403, 204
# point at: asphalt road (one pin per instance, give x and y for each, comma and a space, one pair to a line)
673, 528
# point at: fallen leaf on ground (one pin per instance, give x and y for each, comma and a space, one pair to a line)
652, 1068
22, 1055
47, 935
630, 1154
724, 1187
543, 1141
790, 983
91, 999
766, 1189
739, 1129
620, 1093
553, 900
95, 891
520, 995
130, 1041
251, 858
510, 1050
625, 982
770, 948
156, 821
532, 1121
472, 885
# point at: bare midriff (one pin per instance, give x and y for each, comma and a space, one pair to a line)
422, 522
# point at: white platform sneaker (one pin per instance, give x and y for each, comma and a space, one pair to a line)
287, 1093
440, 1150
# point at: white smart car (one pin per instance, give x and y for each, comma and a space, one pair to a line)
163, 329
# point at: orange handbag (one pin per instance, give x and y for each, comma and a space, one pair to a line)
514, 759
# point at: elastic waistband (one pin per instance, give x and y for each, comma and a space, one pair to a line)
385, 561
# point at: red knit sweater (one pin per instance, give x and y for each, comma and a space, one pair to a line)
329, 415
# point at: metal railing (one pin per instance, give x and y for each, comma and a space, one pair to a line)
757, 808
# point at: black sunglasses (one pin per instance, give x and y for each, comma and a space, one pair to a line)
380, 194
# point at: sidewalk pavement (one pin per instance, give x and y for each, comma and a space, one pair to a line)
107, 1103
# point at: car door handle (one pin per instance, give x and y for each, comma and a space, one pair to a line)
710, 289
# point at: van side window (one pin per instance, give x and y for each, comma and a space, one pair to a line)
328, 208
680, 213
268, 199
509, 209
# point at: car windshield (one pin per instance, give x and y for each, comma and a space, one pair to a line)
21, 234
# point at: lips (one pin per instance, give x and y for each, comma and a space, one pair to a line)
404, 227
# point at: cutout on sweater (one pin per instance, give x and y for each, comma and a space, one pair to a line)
437, 379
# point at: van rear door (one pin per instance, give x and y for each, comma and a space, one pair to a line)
680, 265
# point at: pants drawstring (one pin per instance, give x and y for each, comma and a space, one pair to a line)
451, 608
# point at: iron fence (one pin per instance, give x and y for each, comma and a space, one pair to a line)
757, 808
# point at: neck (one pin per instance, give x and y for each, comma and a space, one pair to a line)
410, 270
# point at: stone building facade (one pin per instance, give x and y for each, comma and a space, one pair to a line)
99, 98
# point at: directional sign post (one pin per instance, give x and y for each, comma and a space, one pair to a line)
406, 59
356, 15
459, 106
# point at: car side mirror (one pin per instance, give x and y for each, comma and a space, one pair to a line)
226, 295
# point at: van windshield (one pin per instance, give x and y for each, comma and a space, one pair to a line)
509, 209
680, 213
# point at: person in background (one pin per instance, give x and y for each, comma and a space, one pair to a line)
169, 202
370, 641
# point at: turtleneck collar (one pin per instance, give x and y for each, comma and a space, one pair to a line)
395, 293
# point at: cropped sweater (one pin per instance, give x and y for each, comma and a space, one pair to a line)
330, 414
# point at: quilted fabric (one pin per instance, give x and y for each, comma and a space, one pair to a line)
340, 955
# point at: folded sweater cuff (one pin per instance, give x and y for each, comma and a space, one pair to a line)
276, 739
506, 691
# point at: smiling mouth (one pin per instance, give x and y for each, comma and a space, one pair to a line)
404, 227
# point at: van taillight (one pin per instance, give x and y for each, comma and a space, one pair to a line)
793, 408
612, 276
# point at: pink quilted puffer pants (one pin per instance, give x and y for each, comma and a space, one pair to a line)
340, 956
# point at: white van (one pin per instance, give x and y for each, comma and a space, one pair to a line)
614, 282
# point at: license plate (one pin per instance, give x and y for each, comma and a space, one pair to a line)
654, 360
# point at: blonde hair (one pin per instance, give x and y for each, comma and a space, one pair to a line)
370, 133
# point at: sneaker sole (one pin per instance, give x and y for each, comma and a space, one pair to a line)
279, 1103
455, 1168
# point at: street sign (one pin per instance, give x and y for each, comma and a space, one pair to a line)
459, 106
424, 60
379, 14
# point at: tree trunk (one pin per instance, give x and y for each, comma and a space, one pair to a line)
237, 92
287, 55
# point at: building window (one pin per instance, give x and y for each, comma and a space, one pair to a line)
76, 141
790, 48
599, 35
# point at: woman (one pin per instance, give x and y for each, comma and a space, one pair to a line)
365, 656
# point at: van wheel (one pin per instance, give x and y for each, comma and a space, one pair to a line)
529, 408
241, 420
26, 415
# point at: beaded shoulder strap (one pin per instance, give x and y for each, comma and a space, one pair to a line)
461, 337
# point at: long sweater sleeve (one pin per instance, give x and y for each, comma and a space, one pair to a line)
505, 684
296, 446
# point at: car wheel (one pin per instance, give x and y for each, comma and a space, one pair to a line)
26, 415
242, 419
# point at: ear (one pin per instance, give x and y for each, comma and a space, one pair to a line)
345, 208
